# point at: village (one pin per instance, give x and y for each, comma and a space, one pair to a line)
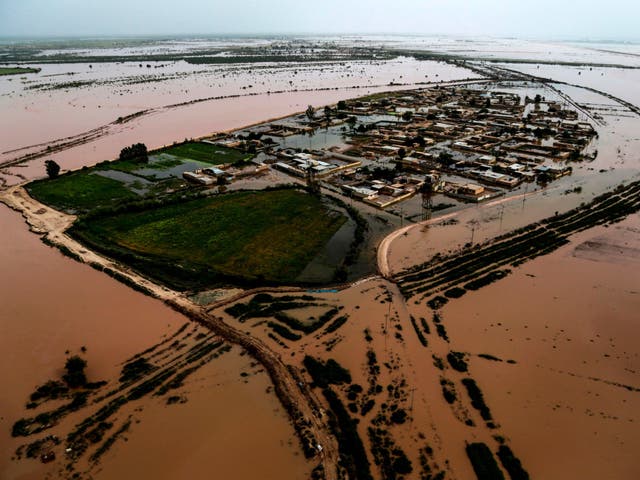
468, 144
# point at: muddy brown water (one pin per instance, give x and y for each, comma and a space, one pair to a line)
51, 304
571, 325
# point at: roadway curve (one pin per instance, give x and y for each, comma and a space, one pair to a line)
383, 247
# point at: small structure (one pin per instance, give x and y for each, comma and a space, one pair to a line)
198, 178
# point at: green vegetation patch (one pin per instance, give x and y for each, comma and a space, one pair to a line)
79, 191
208, 153
256, 236
17, 70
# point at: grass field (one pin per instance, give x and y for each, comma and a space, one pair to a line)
205, 152
130, 166
17, 70
83, 191
244, 237
79, 191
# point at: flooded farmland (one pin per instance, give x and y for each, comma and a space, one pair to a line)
53, 305
562, 377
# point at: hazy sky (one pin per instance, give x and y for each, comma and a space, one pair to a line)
557, 19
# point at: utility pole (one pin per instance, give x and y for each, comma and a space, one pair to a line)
411, 404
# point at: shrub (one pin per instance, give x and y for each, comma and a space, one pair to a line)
75, 376
483, 462
512, 464
456, 360
324, 374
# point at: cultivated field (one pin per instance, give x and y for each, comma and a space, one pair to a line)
206, 152
265, 236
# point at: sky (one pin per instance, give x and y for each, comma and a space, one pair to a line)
541, 19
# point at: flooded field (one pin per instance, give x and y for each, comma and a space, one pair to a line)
570, 403
53, 305
559, 369
105, 92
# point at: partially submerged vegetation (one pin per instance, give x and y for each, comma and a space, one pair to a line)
484, 464
17, 70
480, 265
159, 370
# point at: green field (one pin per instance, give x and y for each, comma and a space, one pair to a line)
82, 191
245, 237
79, 191
17, 70
205, 152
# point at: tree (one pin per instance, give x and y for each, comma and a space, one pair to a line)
327, 112
136, 152
408, 115
53, 169
310, 112
342, 105
75, 376
445, 158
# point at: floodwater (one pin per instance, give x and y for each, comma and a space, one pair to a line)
618, 158
559, 407
51, 304
622, 83
570, 323
123, 89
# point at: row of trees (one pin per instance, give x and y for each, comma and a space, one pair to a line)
136, 152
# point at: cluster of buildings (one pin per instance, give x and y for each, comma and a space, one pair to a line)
479, 144
320, 164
